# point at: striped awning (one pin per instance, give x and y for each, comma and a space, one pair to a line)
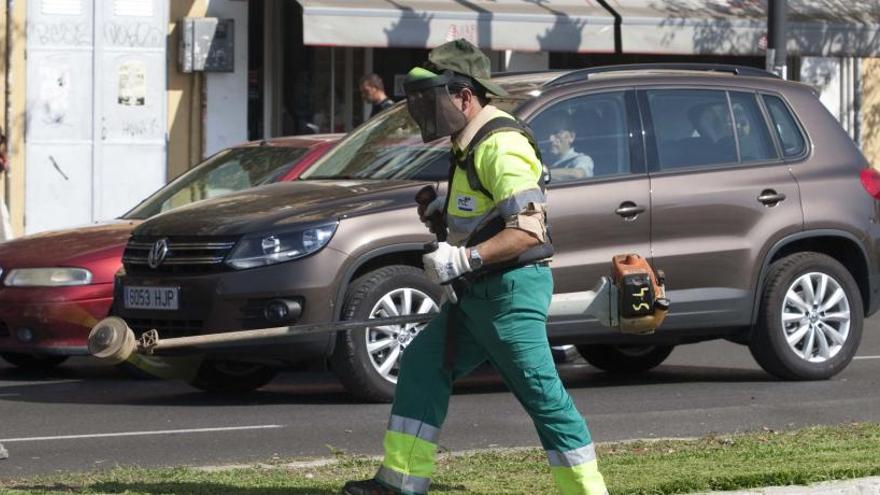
719, 27
525, 25
739, 27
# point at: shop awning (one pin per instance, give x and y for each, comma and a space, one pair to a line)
720, 27
526, 25
739, 27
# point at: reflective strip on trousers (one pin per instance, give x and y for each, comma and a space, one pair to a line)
571, 458
410, 453
414, 427
403, 482
576, 472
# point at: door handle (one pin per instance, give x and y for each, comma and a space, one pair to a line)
769, 197
629, 210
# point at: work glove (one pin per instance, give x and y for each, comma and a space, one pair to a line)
432, 214
448, 262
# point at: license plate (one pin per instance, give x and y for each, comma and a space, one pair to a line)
165, 298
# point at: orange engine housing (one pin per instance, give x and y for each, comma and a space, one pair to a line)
642, 303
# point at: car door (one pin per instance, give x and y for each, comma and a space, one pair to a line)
598, 194
721, 194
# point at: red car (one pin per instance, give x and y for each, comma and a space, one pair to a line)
55, 285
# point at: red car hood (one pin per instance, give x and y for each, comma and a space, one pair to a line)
95, 247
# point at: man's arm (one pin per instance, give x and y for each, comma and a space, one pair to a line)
506, 245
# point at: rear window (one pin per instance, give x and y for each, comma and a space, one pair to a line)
787, 130
692, 127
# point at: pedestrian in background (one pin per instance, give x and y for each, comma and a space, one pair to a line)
373, 92
5, 224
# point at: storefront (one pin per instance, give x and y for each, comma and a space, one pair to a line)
315, 51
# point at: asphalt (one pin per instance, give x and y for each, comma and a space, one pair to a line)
87, 416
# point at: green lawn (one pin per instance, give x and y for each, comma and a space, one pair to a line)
662, 467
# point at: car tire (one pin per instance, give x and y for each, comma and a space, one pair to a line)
625, 358
774, 343
359, 370
33, 361
221, 376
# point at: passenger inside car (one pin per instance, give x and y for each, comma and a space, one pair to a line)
564, 161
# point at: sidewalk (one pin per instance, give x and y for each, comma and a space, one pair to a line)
860, 486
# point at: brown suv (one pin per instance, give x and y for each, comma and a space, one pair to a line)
739, 185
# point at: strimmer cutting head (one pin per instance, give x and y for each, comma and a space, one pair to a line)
112, 341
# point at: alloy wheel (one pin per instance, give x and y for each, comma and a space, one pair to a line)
816, 317
385, 344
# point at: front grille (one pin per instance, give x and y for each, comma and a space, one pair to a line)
184, 256
167, 328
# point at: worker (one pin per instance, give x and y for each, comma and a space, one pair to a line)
496, 257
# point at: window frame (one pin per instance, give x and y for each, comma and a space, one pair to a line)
808, 143
634, 129
768, 124
652, 152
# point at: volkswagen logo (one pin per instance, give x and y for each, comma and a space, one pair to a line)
157, 253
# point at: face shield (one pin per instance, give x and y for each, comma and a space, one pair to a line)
430, 104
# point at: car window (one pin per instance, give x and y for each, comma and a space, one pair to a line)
388, 146
228, 171
793, 143
754, 138
584, 137
692, 128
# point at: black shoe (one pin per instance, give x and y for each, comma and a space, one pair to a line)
366, 487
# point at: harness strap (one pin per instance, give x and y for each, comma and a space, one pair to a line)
494, 126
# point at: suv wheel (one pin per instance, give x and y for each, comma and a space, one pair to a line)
810, 322
625, 358
367, 361
231, 377
33, 361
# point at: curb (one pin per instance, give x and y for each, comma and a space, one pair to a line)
859, 486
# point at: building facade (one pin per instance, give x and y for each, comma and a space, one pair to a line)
100, 111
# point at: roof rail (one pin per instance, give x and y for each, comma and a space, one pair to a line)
525, 72
584, 74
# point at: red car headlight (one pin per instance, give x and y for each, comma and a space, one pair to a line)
48, 277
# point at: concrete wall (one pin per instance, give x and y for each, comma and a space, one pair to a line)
871, 110
185, 141
12, 184
226, 107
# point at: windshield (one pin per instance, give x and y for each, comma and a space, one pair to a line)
388, 146
230, 170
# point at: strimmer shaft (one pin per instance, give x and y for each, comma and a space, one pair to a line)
150, 341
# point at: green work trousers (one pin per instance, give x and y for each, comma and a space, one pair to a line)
502, 319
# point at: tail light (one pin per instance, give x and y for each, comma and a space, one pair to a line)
871, 181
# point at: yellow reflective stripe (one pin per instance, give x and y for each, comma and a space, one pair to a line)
409, 454
402, 483
583, 479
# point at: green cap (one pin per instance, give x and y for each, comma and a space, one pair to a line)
464, 58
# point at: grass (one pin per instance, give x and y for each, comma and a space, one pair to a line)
649, 468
